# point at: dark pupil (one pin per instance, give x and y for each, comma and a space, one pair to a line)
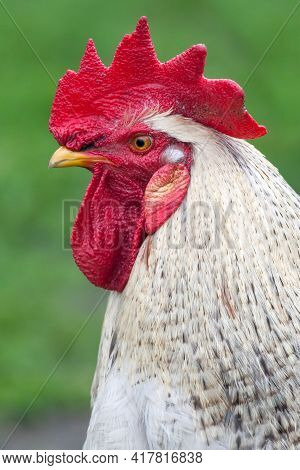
140, 143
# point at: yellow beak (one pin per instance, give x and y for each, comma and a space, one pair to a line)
64, 157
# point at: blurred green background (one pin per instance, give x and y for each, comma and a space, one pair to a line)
44, 297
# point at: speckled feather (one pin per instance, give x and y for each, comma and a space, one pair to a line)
201, 350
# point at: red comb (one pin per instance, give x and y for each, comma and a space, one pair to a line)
135, 79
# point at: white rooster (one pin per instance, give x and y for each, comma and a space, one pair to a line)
197, 235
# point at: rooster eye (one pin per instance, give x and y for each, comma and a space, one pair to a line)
141, 143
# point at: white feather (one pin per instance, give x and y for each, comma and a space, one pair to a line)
206, 333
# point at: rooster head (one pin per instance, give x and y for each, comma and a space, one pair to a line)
139, 176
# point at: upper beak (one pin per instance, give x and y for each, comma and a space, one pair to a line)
64, 157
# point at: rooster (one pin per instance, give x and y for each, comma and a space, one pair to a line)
197, 236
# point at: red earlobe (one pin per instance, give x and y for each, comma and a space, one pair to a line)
164, 193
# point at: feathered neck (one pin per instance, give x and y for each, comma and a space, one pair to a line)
211, 308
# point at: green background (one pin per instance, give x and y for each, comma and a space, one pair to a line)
44, 297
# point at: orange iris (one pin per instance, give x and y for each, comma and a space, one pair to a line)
141, 143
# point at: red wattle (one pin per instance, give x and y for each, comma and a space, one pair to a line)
164, 193
109, 229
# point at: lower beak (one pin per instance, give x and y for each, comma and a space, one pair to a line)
64, 157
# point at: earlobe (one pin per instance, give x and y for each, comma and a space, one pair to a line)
164, 193
173, 154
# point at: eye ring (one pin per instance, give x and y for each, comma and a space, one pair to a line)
141, 143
